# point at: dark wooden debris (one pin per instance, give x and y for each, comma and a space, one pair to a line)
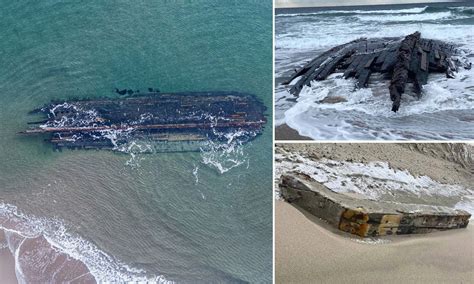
100, 123
404, 60
368, 217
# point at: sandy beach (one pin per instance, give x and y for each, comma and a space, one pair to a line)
7, 263
284, 132
7, 267
308, 252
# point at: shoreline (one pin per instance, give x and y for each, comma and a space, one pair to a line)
284, 132
56, 265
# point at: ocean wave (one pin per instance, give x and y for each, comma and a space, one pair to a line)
310, 37
346, 12
429, 15
417, 11
439, 94
32, 239
334, 109
438, 16
464, 10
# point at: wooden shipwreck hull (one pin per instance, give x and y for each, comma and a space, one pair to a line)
368, 218
402, 60
107, 123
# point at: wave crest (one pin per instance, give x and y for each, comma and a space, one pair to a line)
417, 10
45, 248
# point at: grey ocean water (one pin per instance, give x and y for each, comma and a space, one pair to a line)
443, 113
190, 217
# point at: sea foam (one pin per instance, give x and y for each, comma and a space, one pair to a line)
20, 228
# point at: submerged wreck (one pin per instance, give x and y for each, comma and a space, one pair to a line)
167, 118
402, 60
367, 217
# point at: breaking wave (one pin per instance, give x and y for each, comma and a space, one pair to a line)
370, 108
46, 251
438, 95
410, 17
416, 11
346, 12
319, 31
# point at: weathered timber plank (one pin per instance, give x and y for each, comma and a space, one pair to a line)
318, 61
365, 217
314, 63
296, 88
389, 61
424, 61
401, 68
370, 61
423, 56
350, 71
381, 58
331, 66
364, 73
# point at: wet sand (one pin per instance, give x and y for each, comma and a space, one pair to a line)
284, 132
7, 264
307, 251
39, 262
7, 267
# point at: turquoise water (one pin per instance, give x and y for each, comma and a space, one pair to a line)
170, 214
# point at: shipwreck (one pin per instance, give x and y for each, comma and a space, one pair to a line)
367, 217
401, 60
165, 118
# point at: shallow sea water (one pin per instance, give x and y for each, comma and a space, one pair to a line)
183, 217
443, 113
